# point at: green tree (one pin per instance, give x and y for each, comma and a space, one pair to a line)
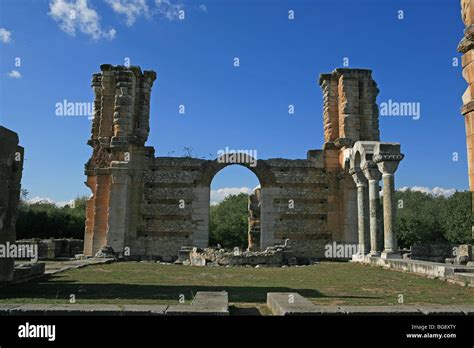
425, 218
229, 222
46, 220
456, 218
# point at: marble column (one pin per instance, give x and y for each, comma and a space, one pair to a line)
362, 209
373, 175
388, 164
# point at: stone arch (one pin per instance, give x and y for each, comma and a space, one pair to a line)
253, 207
362, 152
261, 170
210, 169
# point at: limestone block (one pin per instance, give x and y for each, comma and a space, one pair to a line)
290, 303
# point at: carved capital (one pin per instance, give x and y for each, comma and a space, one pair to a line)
371, 170
383, 157
358, 176
388, 163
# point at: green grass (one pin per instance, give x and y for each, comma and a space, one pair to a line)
328, 283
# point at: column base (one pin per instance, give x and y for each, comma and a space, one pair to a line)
374, 254
392, 255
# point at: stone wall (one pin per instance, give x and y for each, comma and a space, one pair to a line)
175, 205
51, 249
11, 166
174, 208
142, 205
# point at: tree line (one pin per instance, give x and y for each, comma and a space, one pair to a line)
421, 218
46, 220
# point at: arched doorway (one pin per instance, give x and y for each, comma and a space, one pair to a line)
266, 179
235, 206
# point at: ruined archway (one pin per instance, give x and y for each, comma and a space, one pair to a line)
235, 221
152, 206
266, 178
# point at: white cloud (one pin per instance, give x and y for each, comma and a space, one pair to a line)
435, 191
14, 74
78, 16
203, 8
218, 195
167, 9
5, 35
49, 200
131, 9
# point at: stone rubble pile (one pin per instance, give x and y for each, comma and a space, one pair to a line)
278, 255
105, 252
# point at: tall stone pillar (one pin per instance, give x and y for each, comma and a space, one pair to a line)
254, 220
91, 183
350, 114
11, 167
388, 157
466, 47
373, 175
362, 209
120, 129
350, 110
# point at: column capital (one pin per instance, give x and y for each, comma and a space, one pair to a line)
388, 163
371, 171
387, 156
358, 176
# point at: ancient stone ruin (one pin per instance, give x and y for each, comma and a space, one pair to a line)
55, 248
466, 47
277, 255
11, 167
254, 219
148, 206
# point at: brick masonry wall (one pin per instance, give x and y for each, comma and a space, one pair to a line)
175, 205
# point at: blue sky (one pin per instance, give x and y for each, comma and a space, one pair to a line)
244, 107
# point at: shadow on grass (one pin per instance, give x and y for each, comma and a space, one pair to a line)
60, 289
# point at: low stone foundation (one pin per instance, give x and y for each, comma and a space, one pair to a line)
206, 303
50, 249
28, 271
462, 275
292, 303
276, 256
